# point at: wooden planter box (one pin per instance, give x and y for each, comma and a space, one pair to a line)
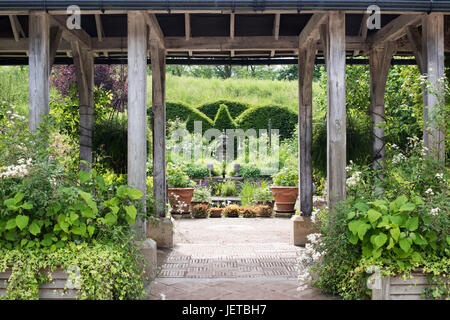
54, 290
395, 288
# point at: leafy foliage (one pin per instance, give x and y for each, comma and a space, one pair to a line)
249, 170
287, 177
176, 176
197, 170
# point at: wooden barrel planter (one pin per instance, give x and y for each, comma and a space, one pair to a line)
396, 288
54, 290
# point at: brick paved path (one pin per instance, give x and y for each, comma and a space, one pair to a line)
231, 259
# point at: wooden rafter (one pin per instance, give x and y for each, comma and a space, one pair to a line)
99, 26
155, 29
276, 26
55, 40
415, 40
311, 30
187, 25
16, 27
73, 35
394, 29
362, 30
232, 25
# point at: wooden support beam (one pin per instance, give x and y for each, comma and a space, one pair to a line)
311, 30
158, 60
99, 27
415, 39
232, 25
55, 40
84, 68
155, 29
73, 35
187, 25
16, 27
394, 29
39, 70
336, 115
362, 31
306, 59
433, 96
379, 61
276, 26
137, 107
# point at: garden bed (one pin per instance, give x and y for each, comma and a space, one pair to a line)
397, 288
60, 288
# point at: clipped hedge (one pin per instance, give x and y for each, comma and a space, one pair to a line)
223, 119
186, 113
236, 108
282, 119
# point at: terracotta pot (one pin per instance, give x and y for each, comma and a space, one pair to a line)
215, 212
261, 203
285, 198
180, 199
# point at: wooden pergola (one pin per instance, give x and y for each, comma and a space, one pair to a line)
36, 32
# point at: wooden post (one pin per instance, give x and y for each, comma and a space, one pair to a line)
433, 96
336, 121
137, 103
306, 58
39, 70
84, 66
158, 58
380, 61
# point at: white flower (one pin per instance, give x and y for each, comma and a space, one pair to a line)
435, 211
394, 146
348, 169
440, 176
429, 191
354, 179
398, 158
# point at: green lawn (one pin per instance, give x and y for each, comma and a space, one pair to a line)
192, 91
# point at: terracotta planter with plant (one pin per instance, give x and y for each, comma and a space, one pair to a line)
248, 212
264, 211
215, 212
285, 190
200, 211
231, 211
202, 195
180, 189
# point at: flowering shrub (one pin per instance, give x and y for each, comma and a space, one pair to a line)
398, 222
176, 176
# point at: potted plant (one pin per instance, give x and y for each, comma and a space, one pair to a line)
248, 212
264, 211
285, 190
231, 211
215, 212
202, 195
200, 211
263, 196
180, 189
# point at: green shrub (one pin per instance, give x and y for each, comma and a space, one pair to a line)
177, 177
248, 170
248, 212
202, 194
227, 189
185, 113
112, 271
235, 108
223, 119
287, 177
232, 211
257, 118
200, 211
196, 171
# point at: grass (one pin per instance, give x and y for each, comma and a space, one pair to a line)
192, 91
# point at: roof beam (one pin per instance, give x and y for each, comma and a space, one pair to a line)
16, 27
232, 25
362, 30
98, 24
415, 39
187, 25
73, 35
394, 29
155, 29
311, 30
276, 26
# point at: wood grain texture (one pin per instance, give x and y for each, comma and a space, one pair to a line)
39, 68
336, 115
137, 107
